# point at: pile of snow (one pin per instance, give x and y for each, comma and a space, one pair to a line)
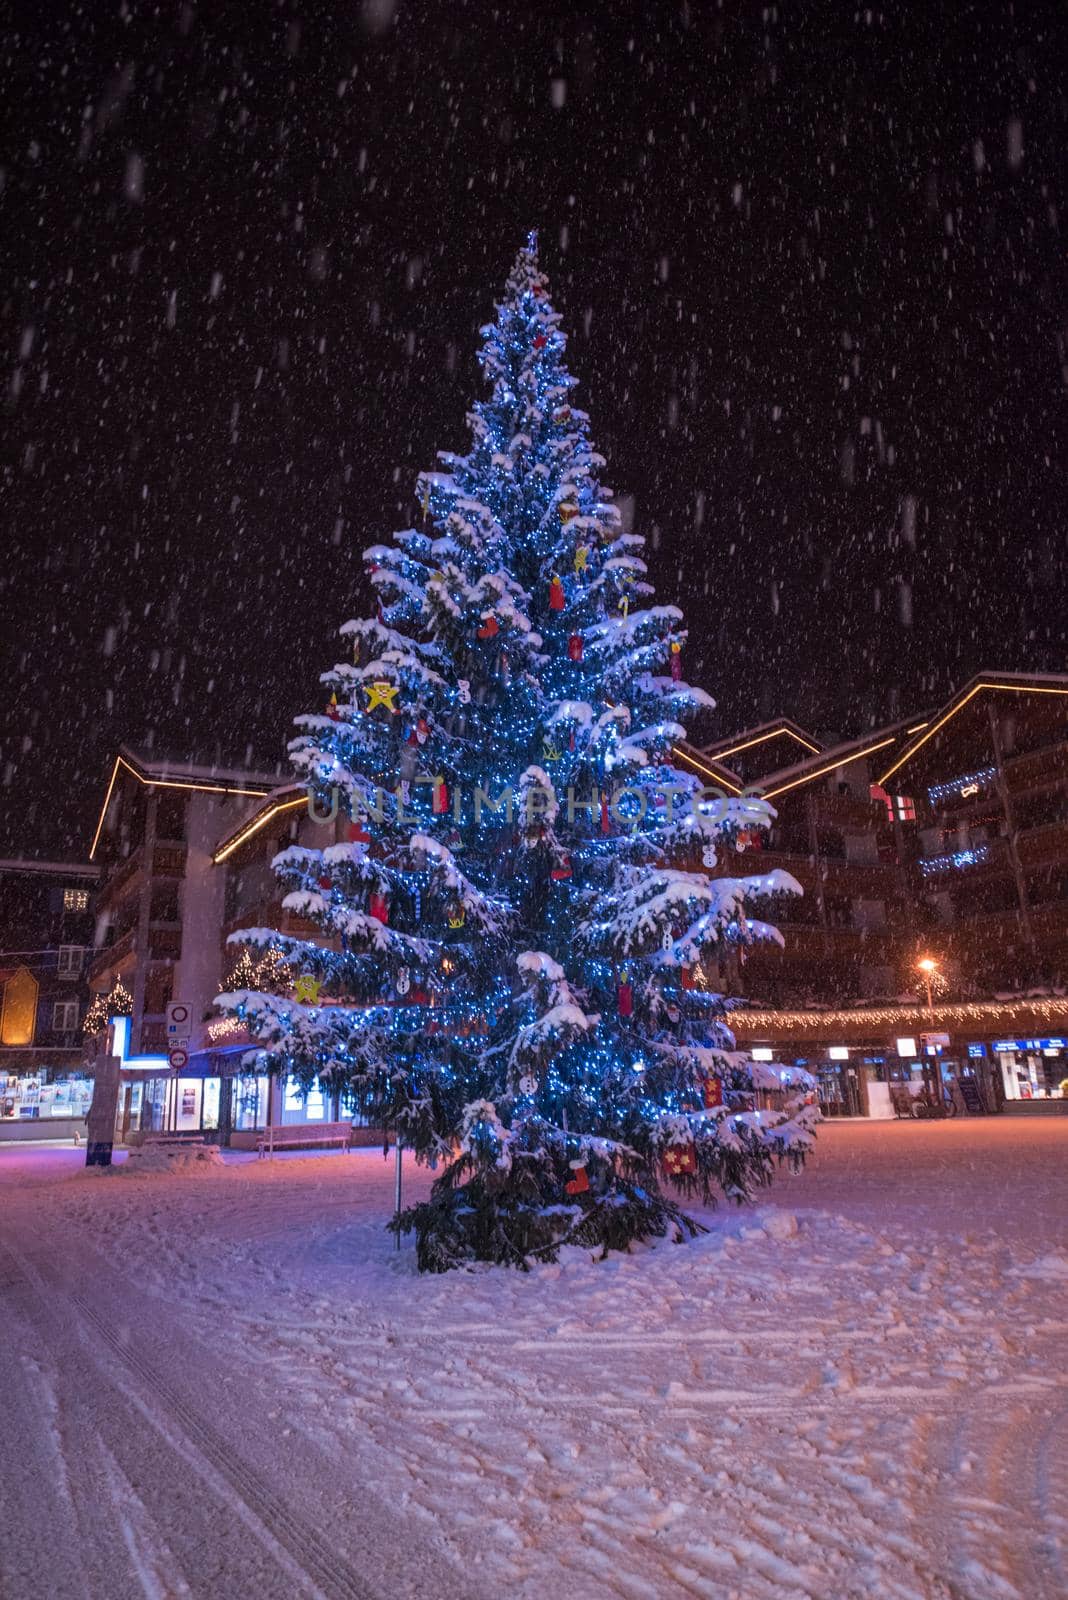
184, 1160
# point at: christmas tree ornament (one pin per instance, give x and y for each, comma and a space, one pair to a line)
332, 709
358, 833
550, 750
574, 647
562, 414
490, 628
666, 939
404, 982
378, 907
672, 1012
440, 803
325, 883
528, 1085
568, 512
540, 341
625, 995
456, 915
463, 691
579, 1182
582, 560
708, 855
713, 1091
686, 980
562, 870
679, 1161
422, 730
676, 660
741, 842
557, 598
425, 503
381, 693
606, 821
504, 669
306, 989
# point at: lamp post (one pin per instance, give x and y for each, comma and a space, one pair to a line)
928, 967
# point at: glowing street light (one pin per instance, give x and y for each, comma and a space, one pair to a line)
928, 967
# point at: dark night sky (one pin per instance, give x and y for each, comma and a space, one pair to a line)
810, 258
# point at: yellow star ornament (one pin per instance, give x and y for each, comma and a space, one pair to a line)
306, 988
381, 693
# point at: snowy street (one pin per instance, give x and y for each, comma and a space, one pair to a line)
230, 1383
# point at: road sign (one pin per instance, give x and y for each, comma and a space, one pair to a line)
179, 1021
178, 1057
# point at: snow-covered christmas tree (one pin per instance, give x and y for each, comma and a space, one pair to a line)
515, 926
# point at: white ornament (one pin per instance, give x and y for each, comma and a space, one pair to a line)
666, 941
528, 1085
463, 691
404, 982
709, 856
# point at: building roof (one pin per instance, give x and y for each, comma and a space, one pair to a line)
839, 755
160, 769
765, 747
286, 797
53, 869
984, 683
165, 774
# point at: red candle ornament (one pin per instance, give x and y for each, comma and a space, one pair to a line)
557, 598
332, 708
574, 647
377, 908
625, 996
676, 661
606, 824
440, 802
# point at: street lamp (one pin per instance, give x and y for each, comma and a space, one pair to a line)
928, 966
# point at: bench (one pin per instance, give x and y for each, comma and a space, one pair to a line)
299, 1135
169, 1141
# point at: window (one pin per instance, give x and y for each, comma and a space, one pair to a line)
65, 1016
76, 899
906, 808
70, 960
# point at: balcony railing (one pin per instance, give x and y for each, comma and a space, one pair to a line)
110, 955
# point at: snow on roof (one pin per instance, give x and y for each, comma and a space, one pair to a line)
56, 869
162, 768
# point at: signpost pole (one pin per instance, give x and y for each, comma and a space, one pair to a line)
398, 1165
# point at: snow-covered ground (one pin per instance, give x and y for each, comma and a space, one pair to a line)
230, 1383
